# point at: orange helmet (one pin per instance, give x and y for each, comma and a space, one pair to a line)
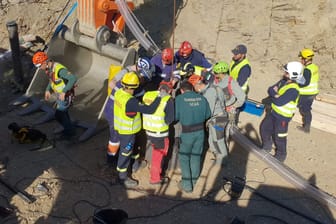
39, 57
194, 79
185, 49
167, 55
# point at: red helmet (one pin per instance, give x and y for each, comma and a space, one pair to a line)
167, 55
185, 48
39, 57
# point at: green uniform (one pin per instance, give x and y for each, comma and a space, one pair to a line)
192, 109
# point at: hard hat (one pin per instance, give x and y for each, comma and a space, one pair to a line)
130, 80
188, 68
306, 53
220, 67
39, 57
144, 63
194, 79
294, 69
185, 48
167, 55
144, 67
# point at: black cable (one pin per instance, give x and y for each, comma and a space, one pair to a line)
107, 203
253, 190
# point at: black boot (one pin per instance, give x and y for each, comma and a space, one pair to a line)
304, 128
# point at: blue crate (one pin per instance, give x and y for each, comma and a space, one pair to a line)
253, 107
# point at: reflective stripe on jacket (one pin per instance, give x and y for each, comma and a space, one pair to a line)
155, 122
289, 108
312, 88
122, 123
234, 71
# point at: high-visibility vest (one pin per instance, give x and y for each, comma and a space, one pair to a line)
57, 83
312, 88
155, 122
122, 123
234, 71
198, 70
289, 108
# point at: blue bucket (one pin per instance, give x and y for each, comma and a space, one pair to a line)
110, 216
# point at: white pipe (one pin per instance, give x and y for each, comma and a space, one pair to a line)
283, 170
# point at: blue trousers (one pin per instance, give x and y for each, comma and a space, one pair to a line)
273, 129
305, 107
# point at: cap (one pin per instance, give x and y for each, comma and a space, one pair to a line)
239, 49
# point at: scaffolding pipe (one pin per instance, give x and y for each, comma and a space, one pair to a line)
12, 28
283, 170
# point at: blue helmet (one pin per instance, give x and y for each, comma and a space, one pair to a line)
145, 68
144, 63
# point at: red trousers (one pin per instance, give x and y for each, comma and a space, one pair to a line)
157, 156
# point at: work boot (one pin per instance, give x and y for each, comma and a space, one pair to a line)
280, 156
305, 128
128, 182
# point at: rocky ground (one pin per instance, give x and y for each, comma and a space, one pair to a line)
78, 183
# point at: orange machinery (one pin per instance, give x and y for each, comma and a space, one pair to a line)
94, 14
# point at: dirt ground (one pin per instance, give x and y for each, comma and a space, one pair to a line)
78, 183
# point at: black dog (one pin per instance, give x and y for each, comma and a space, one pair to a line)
26, 134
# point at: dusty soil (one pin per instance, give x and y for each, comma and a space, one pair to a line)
274, 32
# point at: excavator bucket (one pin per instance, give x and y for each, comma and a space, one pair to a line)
90, 61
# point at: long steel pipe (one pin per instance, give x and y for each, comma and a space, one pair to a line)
283, 170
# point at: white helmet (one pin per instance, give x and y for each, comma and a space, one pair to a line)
294, 69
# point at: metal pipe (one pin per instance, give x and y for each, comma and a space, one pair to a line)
283, 170
109, 50
15, 48
142, 37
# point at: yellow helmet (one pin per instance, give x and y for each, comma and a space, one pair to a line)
306, 53
130, 80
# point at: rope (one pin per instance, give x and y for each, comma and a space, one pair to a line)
58, 18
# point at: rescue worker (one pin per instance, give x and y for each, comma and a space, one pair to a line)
309, 89
189, 69
157, 128
240, 69
165, 65
284, 97
62, 83
234, 94
186, 54
191, 110
145, 72
234, 97
127, 122
218, 119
